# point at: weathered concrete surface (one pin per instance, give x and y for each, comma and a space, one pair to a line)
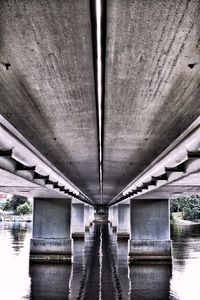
51, 238
150, 231
86, 217
123, 229
115, 218
78, 224
91, 215
152, 83
184, 187
47, 93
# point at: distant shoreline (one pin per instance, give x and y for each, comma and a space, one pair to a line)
185, 222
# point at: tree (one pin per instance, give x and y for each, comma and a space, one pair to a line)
14, 202
24, 209
190, 207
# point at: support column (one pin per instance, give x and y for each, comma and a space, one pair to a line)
123, 229
150, 230
78, 225
115, 218
110, 215
51, 237
86, 217
91, 215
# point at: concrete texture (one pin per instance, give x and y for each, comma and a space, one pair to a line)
48, 91
115, 218
110, 215
77, 219
123, 229
152, 91
51, 237
86, 217
150, 231
91, 214
151, 87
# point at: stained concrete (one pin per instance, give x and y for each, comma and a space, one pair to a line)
150, 230
78, 221
86, 216
123, 229
152, 91
47, 93
115, 218
51, 237
151, 86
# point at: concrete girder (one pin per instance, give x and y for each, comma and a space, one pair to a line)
17, 158
180, 160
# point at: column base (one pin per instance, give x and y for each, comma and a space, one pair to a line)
114, 228
87, 228
148, 250
50, 258
78, 235
123, 235
50, 250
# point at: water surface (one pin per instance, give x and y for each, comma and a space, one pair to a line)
99, 269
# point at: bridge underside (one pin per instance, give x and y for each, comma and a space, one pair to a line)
48, 92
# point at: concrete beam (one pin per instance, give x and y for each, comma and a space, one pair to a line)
178, 161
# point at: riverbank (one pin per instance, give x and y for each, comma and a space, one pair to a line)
14, 218
185, 222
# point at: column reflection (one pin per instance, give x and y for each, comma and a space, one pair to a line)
50, 281
149, 281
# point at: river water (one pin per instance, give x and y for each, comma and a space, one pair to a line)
99, 269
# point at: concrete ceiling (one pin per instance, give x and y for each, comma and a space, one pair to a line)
152, 83
152, 94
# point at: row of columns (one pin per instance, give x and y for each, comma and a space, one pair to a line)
55, 223
144, 222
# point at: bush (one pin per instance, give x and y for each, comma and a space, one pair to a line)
14, 202
24, 209
190, 207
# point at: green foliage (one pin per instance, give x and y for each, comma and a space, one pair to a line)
189, 206
14, 202
24, 209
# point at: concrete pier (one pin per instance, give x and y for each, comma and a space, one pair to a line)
115, 218
78, 225
123, 229
150, 231
51, 237
91, 215
110, 215
86, 217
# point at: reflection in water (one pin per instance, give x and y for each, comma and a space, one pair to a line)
186, 262
14, 262
18, 231
100, 269
150, 281
50, 281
